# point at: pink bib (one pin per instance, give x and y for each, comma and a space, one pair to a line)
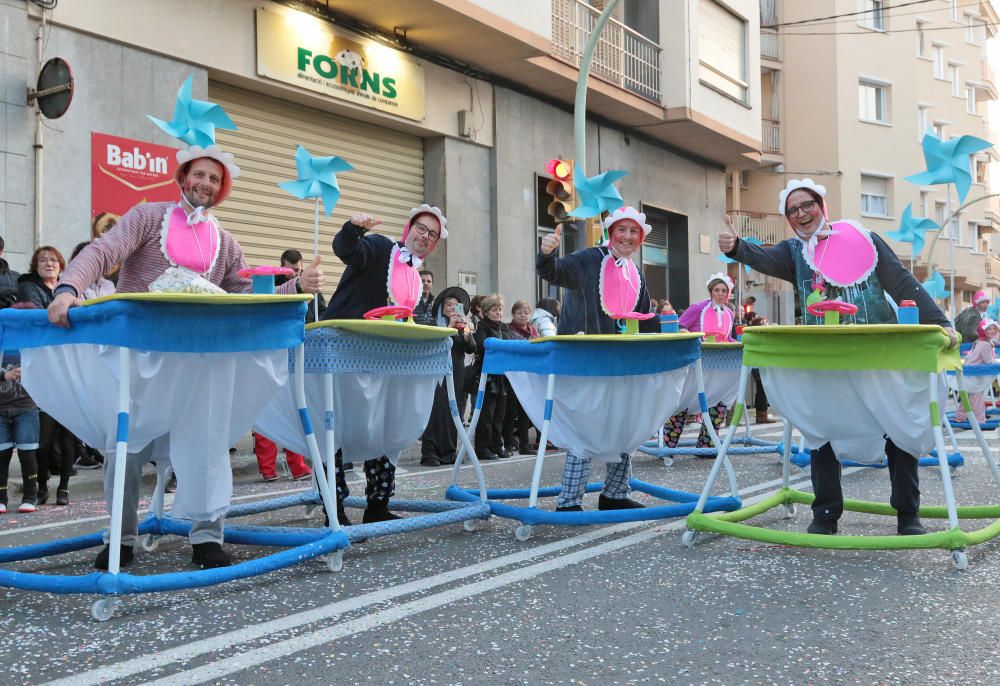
404, 281
716, 324
846, 257
194, 247
619, 287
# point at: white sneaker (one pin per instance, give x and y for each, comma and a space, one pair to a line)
26, 507
3, 508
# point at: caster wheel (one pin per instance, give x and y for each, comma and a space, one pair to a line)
470, 525
523, 532
335, 561
668, 461
960, 559
311, 509
689, 537
103, 609
789, 510
149, 542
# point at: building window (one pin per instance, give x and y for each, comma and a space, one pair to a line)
873, 100
975, 30
981, 171
925, 207
874, 195
937, 54
922, 124
938, 129
921, 40
940, 213
873, 15
953, 9
722, 50
970, 100
956, 86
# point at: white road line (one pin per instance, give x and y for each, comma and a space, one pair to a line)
190, 651
274, 651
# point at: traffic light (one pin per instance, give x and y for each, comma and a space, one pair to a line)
561, 189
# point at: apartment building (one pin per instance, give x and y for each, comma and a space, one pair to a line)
846, 101
456, 102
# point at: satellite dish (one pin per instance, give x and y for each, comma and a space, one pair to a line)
55, 88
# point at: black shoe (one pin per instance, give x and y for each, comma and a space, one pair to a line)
606, 503
503, 454
43, 496
822, 525
571, 508
62, 497
87, 461
378, 512
909, 525
430, 461
529, 450
341, 518
450, 459
104, 556
348, 466
487, 456
210, 555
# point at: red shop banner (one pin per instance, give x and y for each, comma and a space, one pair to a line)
126, 172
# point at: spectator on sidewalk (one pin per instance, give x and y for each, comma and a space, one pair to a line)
423, 311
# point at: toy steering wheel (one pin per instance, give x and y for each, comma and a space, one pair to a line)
389, 312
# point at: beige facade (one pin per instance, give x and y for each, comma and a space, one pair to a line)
846, 102
673, 99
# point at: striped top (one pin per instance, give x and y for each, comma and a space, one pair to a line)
134, 243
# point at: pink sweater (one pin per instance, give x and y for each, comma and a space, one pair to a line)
134, 243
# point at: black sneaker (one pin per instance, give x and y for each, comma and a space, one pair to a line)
570, 508
429, 461
822, 526
909, 525
378, 512
103, 557
210, 555
605, 503
487, 456
348, 466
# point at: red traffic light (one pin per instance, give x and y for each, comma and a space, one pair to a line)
561, 169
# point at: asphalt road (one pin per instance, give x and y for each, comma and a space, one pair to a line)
623, 604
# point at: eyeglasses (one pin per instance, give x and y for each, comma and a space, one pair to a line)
424, 230
805, 208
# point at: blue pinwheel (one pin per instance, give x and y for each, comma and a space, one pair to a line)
195, 121
912, 229
729, 260
935, 287
597, 194
948, 162
317, 178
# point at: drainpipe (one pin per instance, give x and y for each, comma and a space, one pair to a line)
39, 143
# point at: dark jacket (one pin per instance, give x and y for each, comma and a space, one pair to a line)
364, 285
311, 310
580, 274
488, 329
461, 345
779, 262
8, 284
967, 324
31, 288
423, 311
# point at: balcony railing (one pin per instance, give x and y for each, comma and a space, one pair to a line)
766, 227
769, 44
993, 267
771, 135
622, 56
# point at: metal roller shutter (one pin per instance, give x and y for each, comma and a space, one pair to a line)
387, 180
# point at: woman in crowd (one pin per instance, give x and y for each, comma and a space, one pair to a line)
18, 429
489, 431
439, 442
516, 419
56, 445
713, 317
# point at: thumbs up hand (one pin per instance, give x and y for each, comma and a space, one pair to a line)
551, 242
729, 237
311, 279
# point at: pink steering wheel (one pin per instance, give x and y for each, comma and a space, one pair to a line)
821, 308
394, 310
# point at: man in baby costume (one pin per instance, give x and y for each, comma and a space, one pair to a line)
380, 272
968, 320
599, 282
171, 241
844, 262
